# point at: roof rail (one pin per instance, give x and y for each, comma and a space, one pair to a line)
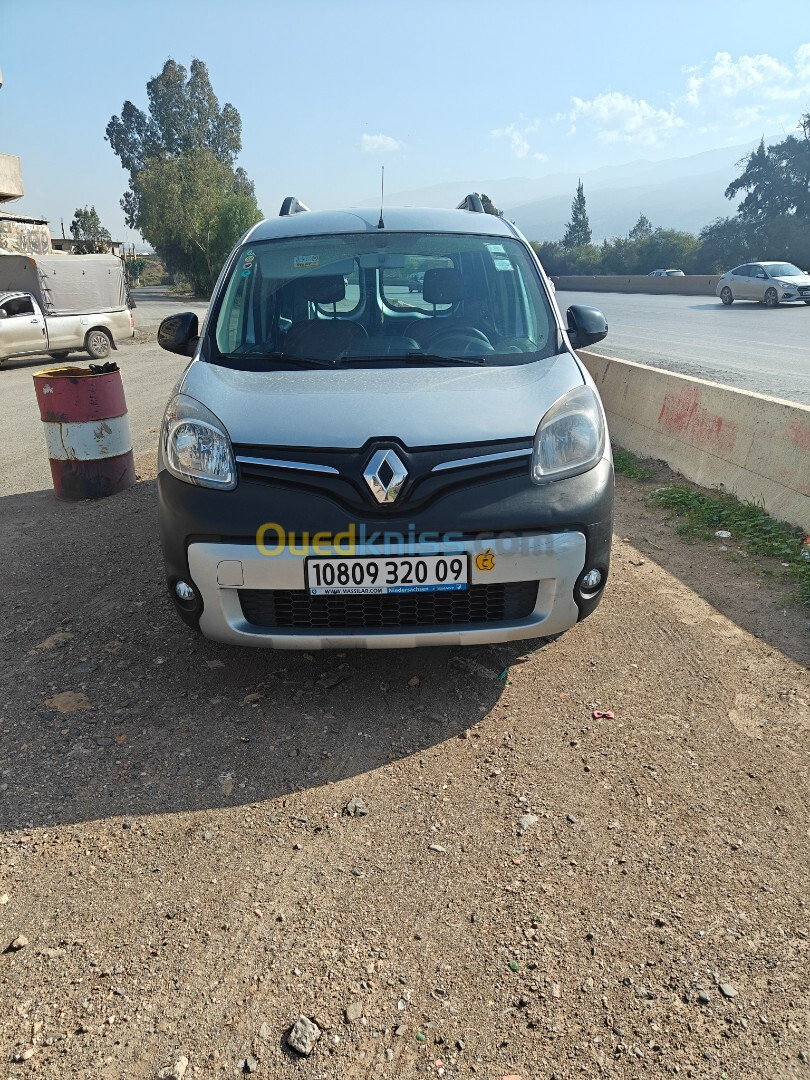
291, 205
472, 202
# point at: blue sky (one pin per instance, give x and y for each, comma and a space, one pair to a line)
436, 90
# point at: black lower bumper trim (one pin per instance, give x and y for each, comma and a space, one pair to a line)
480, 604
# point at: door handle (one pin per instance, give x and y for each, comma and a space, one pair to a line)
35, 320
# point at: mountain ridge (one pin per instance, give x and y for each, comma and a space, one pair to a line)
688, 195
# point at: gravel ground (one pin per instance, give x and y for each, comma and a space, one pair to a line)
441, 858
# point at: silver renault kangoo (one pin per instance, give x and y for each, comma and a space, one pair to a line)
347, 463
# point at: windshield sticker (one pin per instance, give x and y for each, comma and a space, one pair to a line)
246, 272
306, 262
500, 259
248, 260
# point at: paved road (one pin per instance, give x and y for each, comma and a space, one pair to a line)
764, 350
153, 304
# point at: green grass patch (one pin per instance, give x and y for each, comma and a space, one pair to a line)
625, 463
701, 514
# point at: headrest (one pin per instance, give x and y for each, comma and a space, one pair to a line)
323, 288
442, 285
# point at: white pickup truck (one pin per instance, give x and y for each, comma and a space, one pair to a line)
63, 303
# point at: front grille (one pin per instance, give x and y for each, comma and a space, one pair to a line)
295, 609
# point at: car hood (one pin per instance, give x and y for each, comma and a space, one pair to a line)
798, 281
425, 406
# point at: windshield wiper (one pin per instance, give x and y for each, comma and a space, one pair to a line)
414, 358
278, 354
438, 358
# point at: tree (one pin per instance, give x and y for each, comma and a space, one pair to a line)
666, 247
181, 155
585, 259
490, 207
724, 243
193, 209
642, 229
776, 179
86, 227
578, 230
184, 114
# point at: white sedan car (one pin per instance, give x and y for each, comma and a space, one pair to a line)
769, 283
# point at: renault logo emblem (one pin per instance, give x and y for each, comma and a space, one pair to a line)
385, 474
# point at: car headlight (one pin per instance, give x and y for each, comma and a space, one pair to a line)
570, 438
196, 446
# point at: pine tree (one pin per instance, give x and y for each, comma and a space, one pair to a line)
578, 229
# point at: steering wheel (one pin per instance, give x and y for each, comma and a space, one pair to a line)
464, 340
517, 345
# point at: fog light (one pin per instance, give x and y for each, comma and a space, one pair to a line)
592, 580
184, 591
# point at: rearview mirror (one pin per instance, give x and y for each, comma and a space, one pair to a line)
382, 260
586, 325
179, 333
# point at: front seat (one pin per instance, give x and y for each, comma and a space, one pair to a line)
323, 338
441, 285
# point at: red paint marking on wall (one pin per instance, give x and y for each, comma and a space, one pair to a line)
684, 416
798, 432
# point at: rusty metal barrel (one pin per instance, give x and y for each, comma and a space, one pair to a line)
86, 431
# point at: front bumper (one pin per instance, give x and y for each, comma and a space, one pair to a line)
223, 573
548, 535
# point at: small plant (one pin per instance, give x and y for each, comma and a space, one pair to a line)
701, 514
628, 465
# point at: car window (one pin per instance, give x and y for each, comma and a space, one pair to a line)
20, 305
758, 272
741, 271
382, 296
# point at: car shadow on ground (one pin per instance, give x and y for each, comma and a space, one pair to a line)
114, 707
741, 305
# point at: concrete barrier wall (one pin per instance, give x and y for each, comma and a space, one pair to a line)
690, 285
756, 447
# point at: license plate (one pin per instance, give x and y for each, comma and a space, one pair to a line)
379, 575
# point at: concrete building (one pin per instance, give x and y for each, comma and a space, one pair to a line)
24, 235
11, 186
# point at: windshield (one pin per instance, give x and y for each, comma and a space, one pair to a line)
784, 270
375, 298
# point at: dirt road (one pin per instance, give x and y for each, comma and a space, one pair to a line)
531, 891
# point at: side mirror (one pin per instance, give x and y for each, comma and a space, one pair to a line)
586, 325
179, 333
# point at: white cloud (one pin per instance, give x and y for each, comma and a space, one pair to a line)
617, 117
371, 144
758, 80
518, 141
